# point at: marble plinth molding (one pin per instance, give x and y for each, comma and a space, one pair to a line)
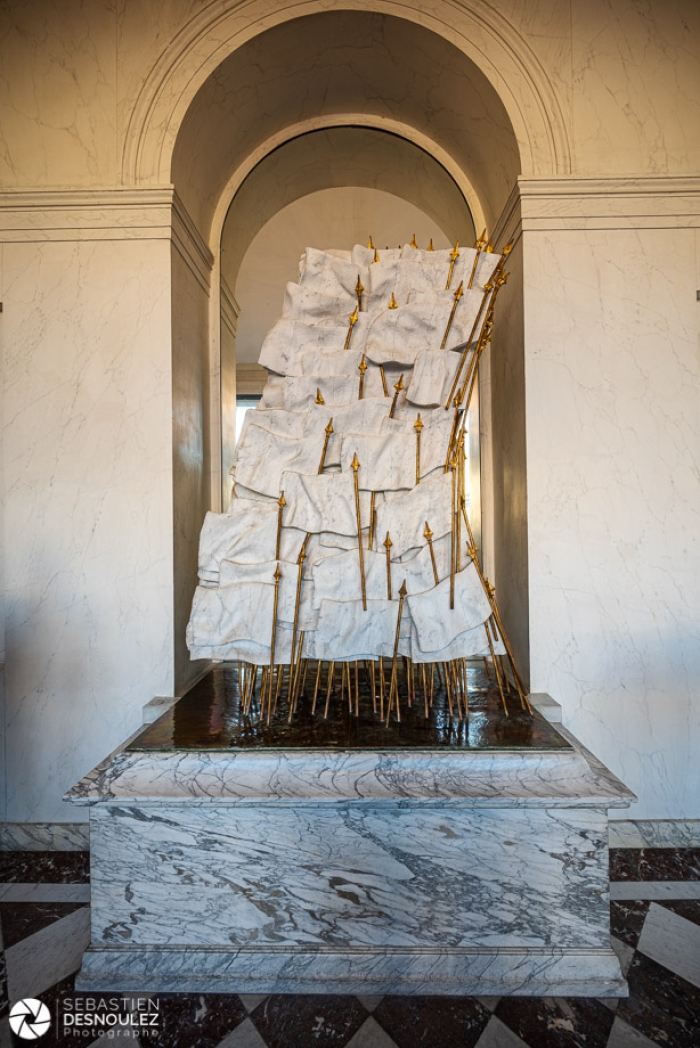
351, 871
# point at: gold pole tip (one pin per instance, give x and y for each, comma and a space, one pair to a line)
413, 242
403, 591
430, 245
319, 398
355, 464
376, 256
393, 304
418, 424
428, 533
329, 428
281, 500
370, 245
387, 541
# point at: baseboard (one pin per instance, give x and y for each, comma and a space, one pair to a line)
44, 836
654, 833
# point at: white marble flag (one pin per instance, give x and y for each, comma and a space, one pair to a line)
405, 516
436, 623
323, 503
347, 631
262, 457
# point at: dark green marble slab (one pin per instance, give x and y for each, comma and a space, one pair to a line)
209, 717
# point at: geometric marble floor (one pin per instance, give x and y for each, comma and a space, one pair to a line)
655, 918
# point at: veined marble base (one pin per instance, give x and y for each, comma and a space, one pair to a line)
414, 871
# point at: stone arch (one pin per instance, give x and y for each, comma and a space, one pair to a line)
483, 36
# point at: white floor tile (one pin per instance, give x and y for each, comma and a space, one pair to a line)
371, 1035
498, 1035
244, 1036
42, 959
251, 1001
44, 892
655, 890
623, 1035
624, 953
370, 1003
672, 941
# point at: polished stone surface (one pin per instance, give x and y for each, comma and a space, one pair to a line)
662, 1009
209, 717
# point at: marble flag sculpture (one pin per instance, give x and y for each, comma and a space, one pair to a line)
347, 541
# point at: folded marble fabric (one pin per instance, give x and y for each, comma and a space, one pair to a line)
431, 378
248, 532
416, 566
401, 334
434, 440
341, 574
364, 256
293, 424
470, 644
405, 516
436, 624
299, 394
312, 302
401, 278
347, 631
387, 461
242, 611
262, 457
288, 339
223, 621
463, 266
328, 269
325, 502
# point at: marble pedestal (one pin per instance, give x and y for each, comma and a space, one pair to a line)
351, 871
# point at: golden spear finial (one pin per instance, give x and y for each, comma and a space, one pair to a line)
370, 245
479, 246
358, 291
362, 367
281, 504
458, 294
353, 320
387, 546
376, 256
393, 304
398, 386
355, 465
454, 255
430, 245
413, 242
429, 539
328, 431
418, 426
319, 397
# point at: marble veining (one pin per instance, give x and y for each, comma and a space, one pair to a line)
358, 876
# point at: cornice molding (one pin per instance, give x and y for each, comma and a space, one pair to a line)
651, 202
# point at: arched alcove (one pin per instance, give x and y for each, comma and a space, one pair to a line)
318, 102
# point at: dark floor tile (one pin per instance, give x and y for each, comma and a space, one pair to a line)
190, 1020
49, 867
662, 1006
557, 1022
20, 919
688, 908
627, 919
433, 1022
299, 1022
655, 864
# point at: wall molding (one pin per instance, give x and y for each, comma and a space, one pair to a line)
230, 310
70, 215
657, 202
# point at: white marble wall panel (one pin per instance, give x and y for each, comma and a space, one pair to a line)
87, 506
613, 437
358, 876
